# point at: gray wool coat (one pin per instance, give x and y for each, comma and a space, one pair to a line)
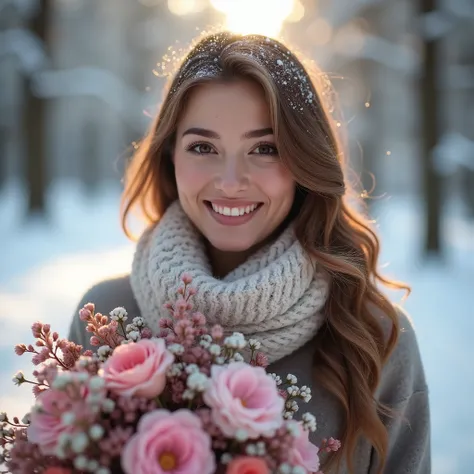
403, 388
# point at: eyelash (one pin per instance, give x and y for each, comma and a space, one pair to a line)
193, 145
270, 145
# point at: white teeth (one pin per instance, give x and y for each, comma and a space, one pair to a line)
234, 211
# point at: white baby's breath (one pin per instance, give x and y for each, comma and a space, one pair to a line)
293, 390
299, 470
237, 357
241, 435
96, 383
290, 378
175, 370
191, 368
284, 468
226, 458
81, 377
251, 450
68, 418
254, 344
292, 405
103, 352
305, 393
176, 349
80, 462
102, 470
197, 381
130, 328
79, 442
108, 405
215, 349
204, 343
139, 322
236, 341
276, 378
62, 381
293, 428
96, 432
18, 378
309, 421
119, 314
133, 336
188, 394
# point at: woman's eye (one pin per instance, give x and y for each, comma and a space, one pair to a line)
265, 150
201, 149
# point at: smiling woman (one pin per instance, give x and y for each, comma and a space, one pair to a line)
241, 180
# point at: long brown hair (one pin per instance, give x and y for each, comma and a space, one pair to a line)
352, 347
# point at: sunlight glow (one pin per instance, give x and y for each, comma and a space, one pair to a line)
264, 17
186, 7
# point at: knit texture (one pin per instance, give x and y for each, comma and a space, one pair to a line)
276, 296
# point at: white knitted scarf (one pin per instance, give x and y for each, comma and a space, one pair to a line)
276, 296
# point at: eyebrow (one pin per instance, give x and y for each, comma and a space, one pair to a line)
261, 132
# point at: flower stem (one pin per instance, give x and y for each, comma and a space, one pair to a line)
123, 330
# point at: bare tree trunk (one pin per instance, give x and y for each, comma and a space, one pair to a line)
467, 184
3, 156
430, 134
90, 157
34, 124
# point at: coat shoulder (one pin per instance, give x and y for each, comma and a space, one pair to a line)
106, 295
403, 373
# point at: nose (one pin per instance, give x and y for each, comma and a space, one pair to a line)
233, 177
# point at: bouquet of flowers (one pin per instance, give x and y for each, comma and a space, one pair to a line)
184, 401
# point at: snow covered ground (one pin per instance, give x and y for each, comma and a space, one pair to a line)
46, 266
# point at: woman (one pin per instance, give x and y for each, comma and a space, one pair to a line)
241, 179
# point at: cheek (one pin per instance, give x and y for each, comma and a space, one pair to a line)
277, 184
190, 178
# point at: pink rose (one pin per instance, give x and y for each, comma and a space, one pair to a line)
46, 425
169, 443
247, 465
138, 368
244, 397
304, 453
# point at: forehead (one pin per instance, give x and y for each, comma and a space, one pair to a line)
224, 103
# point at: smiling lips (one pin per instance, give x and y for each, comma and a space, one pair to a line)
232, 213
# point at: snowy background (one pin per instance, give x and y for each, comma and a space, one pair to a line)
98, 72
47, 265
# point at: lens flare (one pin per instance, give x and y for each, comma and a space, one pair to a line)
264, 17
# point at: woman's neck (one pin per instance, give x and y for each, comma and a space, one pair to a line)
224, 262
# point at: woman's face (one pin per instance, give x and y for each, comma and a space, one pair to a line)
231, 182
